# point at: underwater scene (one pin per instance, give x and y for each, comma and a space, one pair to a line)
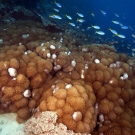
67, 67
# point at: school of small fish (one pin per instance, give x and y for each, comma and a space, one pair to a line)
80, 18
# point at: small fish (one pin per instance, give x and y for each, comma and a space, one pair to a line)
72, 24
79, 14
93, 14
116, 15
121, 36
103, 12
133, 49
80, 20
55, 16
57, 4
124, 27
52, 16
88, 28
120, 24
69, 17
128, 45
113, 31
56, 10
133, 35
100, 32
116, 22
96, 27
131, 28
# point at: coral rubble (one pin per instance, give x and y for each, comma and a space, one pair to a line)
88, 89
48, 119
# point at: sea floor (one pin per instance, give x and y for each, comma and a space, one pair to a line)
9, 125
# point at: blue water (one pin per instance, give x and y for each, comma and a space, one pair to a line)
124, 8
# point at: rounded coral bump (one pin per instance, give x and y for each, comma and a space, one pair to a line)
77, 116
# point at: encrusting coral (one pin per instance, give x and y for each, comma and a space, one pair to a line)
86, 89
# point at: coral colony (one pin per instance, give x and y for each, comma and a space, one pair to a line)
59, 88
58, 84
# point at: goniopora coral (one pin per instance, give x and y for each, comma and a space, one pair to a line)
88, 89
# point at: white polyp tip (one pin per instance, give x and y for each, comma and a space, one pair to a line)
52, 47
1, 41
25, 52
77, 116
96, 106
5, 65
24, 36
3, 88
73, 63
59, 46
61, 38
46, 70
68, 86
43, 49
53, 86
42, 44
57, 67
82, 74
84, 49
118, 64
20, 43
101, 117
54, 56
74, 115
97, 61
113, 65
27, 93
29, 51
68, 53
125, 76
14, 78
86, 66
12, 72
48, 55
121, 78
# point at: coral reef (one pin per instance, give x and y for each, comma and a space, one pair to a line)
48, 119
74, 105
89, 89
